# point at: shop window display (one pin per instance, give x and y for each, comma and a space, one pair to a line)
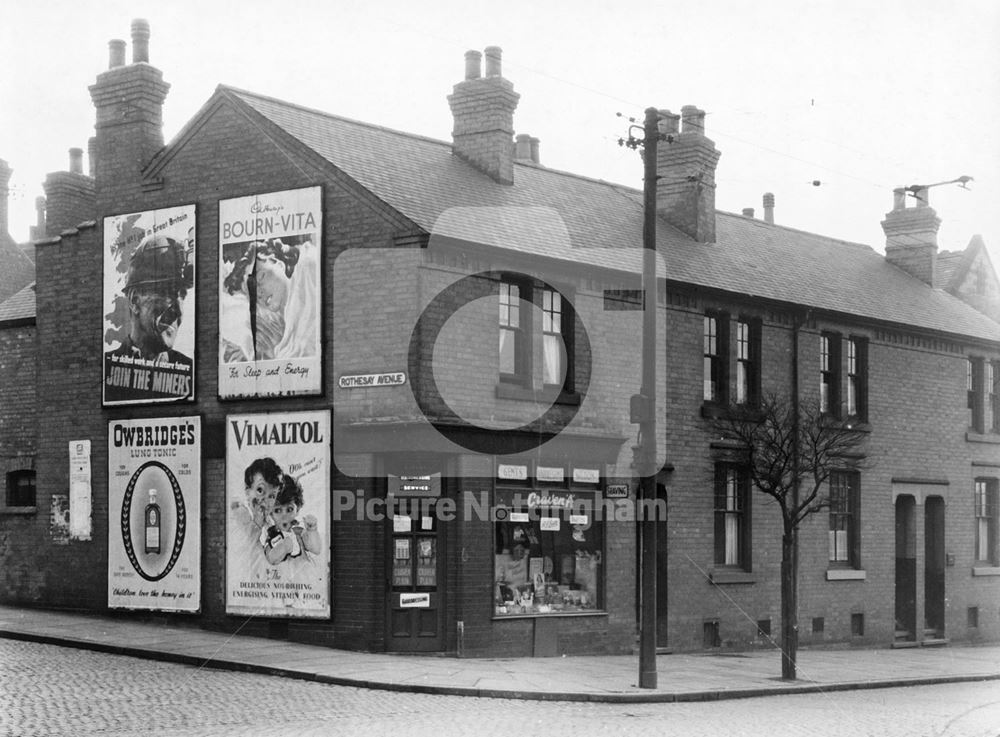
548, 555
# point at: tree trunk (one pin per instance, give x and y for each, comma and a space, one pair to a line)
789, 607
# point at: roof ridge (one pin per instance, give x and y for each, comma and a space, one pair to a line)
325, 114
820, 236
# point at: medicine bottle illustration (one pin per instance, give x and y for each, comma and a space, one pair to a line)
152, 524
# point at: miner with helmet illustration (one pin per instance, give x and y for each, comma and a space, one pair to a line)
159, 276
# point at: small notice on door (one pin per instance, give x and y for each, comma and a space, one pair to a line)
414, 600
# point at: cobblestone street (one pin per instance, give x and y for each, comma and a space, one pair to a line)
51, 690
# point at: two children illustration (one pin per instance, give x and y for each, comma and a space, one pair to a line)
274, 499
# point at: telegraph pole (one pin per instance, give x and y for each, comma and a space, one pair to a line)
643, 405
647, 627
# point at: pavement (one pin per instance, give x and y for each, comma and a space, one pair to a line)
680, 677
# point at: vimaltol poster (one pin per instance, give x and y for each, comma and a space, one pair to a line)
149, 306
269, 294
154, 514
278, 523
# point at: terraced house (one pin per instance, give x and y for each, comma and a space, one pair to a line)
391, 410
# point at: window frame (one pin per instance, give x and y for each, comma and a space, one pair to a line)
12, 500
736, 478
748, 361
985, 507
857, 378
715, 361
975, 384
844, 516
829, 371
530, 335
994, 391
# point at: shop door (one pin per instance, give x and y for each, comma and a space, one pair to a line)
934, 563
415, 601
906, 571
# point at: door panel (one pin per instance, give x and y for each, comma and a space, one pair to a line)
416, 577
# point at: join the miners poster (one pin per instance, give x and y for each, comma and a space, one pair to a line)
154, 514
278, 515
270, 295
149, 306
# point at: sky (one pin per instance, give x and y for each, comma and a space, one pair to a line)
860, 97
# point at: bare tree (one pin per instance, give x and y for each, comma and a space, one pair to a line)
790, 452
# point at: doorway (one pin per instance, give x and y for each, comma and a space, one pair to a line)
934, 565
906, 570
415, 595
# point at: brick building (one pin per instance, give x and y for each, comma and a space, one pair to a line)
474, 318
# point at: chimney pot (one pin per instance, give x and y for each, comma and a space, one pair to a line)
473, 65
692, 119
140, 40
116, 53
668, 122
769, 208
493, 61
76, 160
748, 212
522, 150
534, 149
899, 199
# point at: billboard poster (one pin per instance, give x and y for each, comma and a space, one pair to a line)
278, 515
149, 306
154, 514
270, 295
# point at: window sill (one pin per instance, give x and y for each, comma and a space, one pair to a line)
525, 394
975, 437
727, 576
845, 574
498, 617
986, 570
17, 511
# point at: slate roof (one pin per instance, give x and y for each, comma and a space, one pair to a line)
21, 306
16, 268
420, 178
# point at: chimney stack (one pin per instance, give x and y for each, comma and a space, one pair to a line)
911, 235
748, 212
769, 208
483, 109
69, 196
685, 190
129, 128
5, 174
38, 229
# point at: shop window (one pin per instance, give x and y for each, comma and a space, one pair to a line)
715, 341
748, 341
518, 360
829, 374
732, 517
843, 534
21, 488
975, 369
986, 521
548, 552
857, 378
